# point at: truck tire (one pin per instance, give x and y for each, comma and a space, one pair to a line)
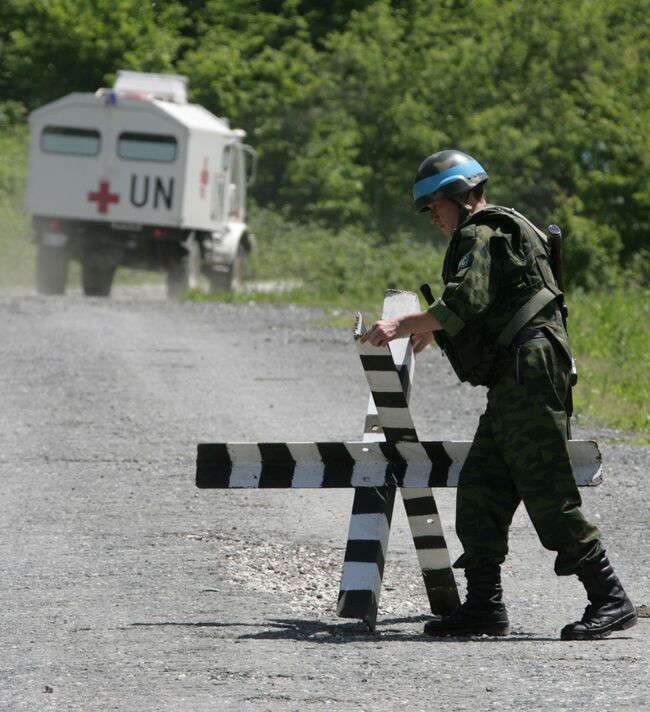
178, 278
232, 278
237, 269
97, 280
51, 269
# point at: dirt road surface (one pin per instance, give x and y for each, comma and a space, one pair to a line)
126, 588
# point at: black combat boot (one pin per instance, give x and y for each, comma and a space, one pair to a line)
609, 607
483, 613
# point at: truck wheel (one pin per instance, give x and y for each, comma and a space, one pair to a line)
51, 269
97, 280
232, 278
237, 269
178, 278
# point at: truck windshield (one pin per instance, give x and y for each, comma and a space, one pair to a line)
146, 147
65, 139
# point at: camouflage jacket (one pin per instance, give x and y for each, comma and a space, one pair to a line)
495, 262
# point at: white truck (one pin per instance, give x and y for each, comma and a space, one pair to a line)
137, 176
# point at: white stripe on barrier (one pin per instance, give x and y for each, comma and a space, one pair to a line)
360, 576
434, 559
416, 474
395, 418
426, 525
384, 382
308, 474
369, 527
247, 464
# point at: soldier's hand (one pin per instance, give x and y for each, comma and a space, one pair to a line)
381, 332
419, 342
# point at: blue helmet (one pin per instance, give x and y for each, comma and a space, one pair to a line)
443, 175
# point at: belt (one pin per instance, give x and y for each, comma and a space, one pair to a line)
527, 334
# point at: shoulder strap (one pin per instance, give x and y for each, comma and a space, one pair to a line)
511, 213
537, 302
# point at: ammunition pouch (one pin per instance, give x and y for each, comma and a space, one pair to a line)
482, 364
473, 361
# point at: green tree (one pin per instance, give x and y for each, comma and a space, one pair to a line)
51, 47
254, 63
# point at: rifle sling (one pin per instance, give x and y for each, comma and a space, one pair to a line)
537, 302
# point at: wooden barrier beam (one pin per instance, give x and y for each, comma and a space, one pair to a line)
354, 464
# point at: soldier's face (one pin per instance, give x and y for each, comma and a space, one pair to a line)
444, 214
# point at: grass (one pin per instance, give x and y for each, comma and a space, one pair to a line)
16, 249
344, 271
610, 334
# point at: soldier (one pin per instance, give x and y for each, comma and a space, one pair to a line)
500, 324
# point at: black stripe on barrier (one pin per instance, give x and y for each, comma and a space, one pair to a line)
212, 476
387, 399
429, 542
397, 461
213, 453
401, 435
377, 363
366, 551
213, 466
441, 590
359, 604
404, 379
440, 463
374, 500
420, 506
338, 464
372, 424
278, 465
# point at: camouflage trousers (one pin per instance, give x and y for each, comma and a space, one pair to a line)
519, 453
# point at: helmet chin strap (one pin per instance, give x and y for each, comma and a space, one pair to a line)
464, 210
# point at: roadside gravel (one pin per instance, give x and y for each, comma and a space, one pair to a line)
125, 588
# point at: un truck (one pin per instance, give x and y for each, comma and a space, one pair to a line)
136, 176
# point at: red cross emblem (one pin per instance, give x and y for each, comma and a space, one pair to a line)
103, 197
204, 177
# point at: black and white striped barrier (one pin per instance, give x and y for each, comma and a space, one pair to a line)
390, 372
354, 464
390, 456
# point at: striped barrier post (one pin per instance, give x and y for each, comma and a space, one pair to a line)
390, 372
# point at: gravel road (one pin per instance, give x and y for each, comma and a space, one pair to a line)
126, 588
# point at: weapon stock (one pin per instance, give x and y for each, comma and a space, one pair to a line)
555, 236
427, 293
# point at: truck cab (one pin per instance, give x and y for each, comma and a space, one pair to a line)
136, 176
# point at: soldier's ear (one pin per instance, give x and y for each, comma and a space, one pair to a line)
465, 201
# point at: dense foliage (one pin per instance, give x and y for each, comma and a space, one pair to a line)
343, 98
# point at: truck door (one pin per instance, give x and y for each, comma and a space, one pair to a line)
229, 186
220, 181
243, 167
236, 184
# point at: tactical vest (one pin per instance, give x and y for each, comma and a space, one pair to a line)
472, 357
